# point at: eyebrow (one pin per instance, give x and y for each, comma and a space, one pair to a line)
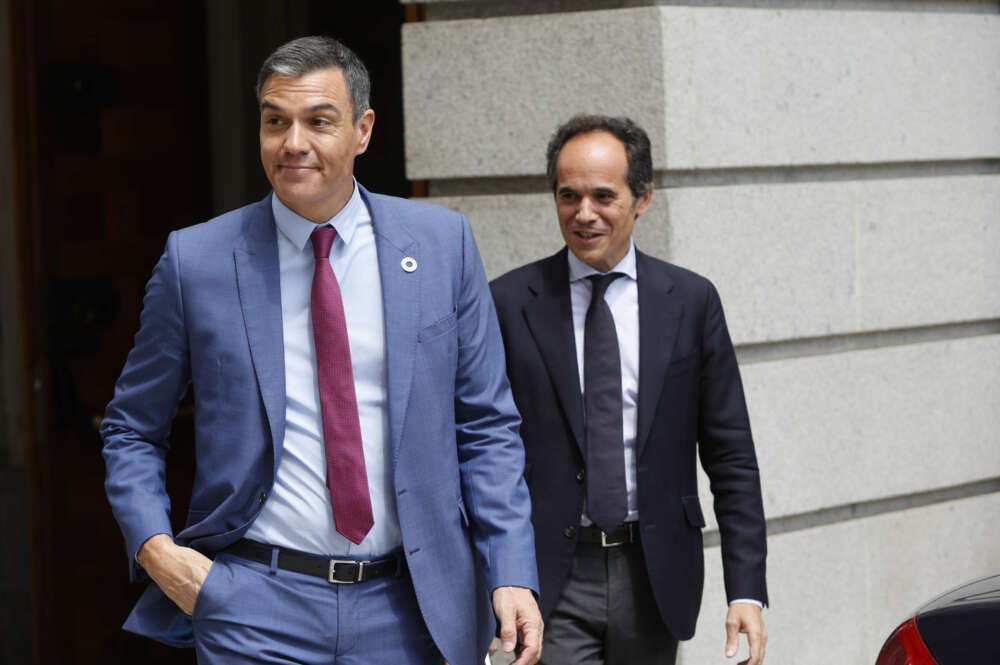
597, 190
325, 106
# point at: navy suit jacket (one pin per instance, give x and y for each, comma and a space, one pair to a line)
211, 320
690, 404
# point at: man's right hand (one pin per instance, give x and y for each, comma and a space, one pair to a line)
178, 571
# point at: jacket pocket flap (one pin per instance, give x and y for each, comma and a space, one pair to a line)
692, 510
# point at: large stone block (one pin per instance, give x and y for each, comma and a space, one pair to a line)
510, 230
715, 87
848, 428
816, 259
838, 591
749, 87
481, 97
800, 260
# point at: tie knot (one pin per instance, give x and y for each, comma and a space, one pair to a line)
322, 240
601, 282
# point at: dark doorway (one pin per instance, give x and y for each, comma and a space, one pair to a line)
111, 105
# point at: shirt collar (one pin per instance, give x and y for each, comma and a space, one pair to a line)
579, 270
297, 228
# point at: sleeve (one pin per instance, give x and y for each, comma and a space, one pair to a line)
490, 451
727, 455
137, 421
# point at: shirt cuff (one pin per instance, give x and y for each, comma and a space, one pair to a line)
747, 600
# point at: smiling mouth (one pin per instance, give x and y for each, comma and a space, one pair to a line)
587, 236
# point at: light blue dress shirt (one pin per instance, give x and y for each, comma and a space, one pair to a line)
297, 513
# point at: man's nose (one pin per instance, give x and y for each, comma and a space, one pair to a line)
295, 139
585, 212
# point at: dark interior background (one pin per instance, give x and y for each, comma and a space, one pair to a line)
114, 117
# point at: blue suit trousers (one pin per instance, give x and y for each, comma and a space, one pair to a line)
252, 613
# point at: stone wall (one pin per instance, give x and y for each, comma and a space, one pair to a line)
834, 167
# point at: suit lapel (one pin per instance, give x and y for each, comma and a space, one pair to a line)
259, 284
550, 320
660, 315
401, 307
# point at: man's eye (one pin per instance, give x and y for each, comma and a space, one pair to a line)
320, 122
272, 121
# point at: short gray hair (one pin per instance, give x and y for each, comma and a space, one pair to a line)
307, 54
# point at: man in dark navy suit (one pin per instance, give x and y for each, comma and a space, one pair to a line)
624, 372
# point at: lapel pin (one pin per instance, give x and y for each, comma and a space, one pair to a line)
409, 264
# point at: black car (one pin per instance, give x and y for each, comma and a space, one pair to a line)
962, 627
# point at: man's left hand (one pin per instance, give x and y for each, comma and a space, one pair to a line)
520, 623
746, 618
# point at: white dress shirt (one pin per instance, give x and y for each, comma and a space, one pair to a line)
297, 513
622, 297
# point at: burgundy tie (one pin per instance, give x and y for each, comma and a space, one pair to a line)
345, 459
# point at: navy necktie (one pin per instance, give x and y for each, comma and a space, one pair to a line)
607, 503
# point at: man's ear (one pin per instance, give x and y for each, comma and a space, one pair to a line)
642, 203
363, 127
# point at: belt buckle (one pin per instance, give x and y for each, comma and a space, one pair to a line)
333, 567
605, 543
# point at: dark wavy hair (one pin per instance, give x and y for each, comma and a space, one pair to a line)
634, 138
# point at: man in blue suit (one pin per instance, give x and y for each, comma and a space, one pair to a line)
358, 497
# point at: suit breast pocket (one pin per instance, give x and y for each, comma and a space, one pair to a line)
440, 327
437, 352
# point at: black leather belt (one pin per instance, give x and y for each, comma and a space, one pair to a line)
626, 534
334, 571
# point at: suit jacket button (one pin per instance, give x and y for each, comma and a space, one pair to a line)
262, 498
579, 476
569, 531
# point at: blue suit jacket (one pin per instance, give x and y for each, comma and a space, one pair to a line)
211, 320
